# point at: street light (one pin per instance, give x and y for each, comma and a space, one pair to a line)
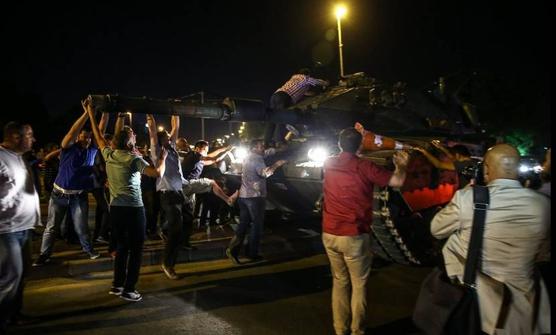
340, 11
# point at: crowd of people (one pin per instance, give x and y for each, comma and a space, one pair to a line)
153, 190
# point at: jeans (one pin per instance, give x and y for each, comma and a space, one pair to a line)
251, 213
350, 261
128, 227
180, 223
57, 207
15, 257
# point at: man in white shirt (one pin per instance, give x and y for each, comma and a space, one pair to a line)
19, 213
517, 222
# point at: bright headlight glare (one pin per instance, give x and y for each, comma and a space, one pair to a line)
240, 154
523, 168
318, 154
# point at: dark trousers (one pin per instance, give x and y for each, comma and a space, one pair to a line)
102, 214
279, 101
128, 227
179, 218
251, 217
211, 209
152, 209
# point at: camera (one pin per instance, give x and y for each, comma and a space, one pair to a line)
474, 171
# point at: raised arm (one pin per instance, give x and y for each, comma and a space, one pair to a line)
435, 161
120, 122
52, 154
175, 128
160, 166
217, 155
401, 159
96, 131
72, 134
103, 123
442, 148
151, 125
220, 152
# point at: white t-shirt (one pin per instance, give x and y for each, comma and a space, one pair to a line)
172, 179
19, 201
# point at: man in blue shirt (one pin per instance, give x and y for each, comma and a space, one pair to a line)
74, 179
192, 168
252, 199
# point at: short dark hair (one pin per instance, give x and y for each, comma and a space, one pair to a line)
14, 127
160, 135
461, 149
349, 140
121, 138
200, 144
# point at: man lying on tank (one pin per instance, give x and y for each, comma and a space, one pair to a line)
295, 89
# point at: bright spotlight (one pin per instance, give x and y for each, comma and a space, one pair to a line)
240, 154
318, 154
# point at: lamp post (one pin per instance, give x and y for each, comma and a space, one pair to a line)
340, 12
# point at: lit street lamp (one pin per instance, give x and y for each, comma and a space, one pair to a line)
340, 12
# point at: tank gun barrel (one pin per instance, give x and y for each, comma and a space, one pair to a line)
228, 109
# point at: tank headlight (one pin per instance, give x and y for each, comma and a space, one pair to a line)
318, 155
523, 168
240, 154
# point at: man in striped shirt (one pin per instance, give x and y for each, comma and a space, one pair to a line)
290, 93
294, 89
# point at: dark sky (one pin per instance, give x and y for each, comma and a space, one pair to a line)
55, 54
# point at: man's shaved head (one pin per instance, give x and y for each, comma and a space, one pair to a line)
501, 162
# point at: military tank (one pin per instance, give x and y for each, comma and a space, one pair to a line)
400, 229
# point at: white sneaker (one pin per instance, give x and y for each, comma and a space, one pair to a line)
94, 255
131, 296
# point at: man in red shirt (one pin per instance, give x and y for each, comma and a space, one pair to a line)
347, 216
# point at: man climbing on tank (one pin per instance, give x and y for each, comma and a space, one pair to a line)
290, 93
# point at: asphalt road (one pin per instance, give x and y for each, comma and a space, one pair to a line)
277, 296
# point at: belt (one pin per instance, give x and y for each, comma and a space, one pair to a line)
170, 191
67, 192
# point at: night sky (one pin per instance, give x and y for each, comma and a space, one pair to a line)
53, 55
